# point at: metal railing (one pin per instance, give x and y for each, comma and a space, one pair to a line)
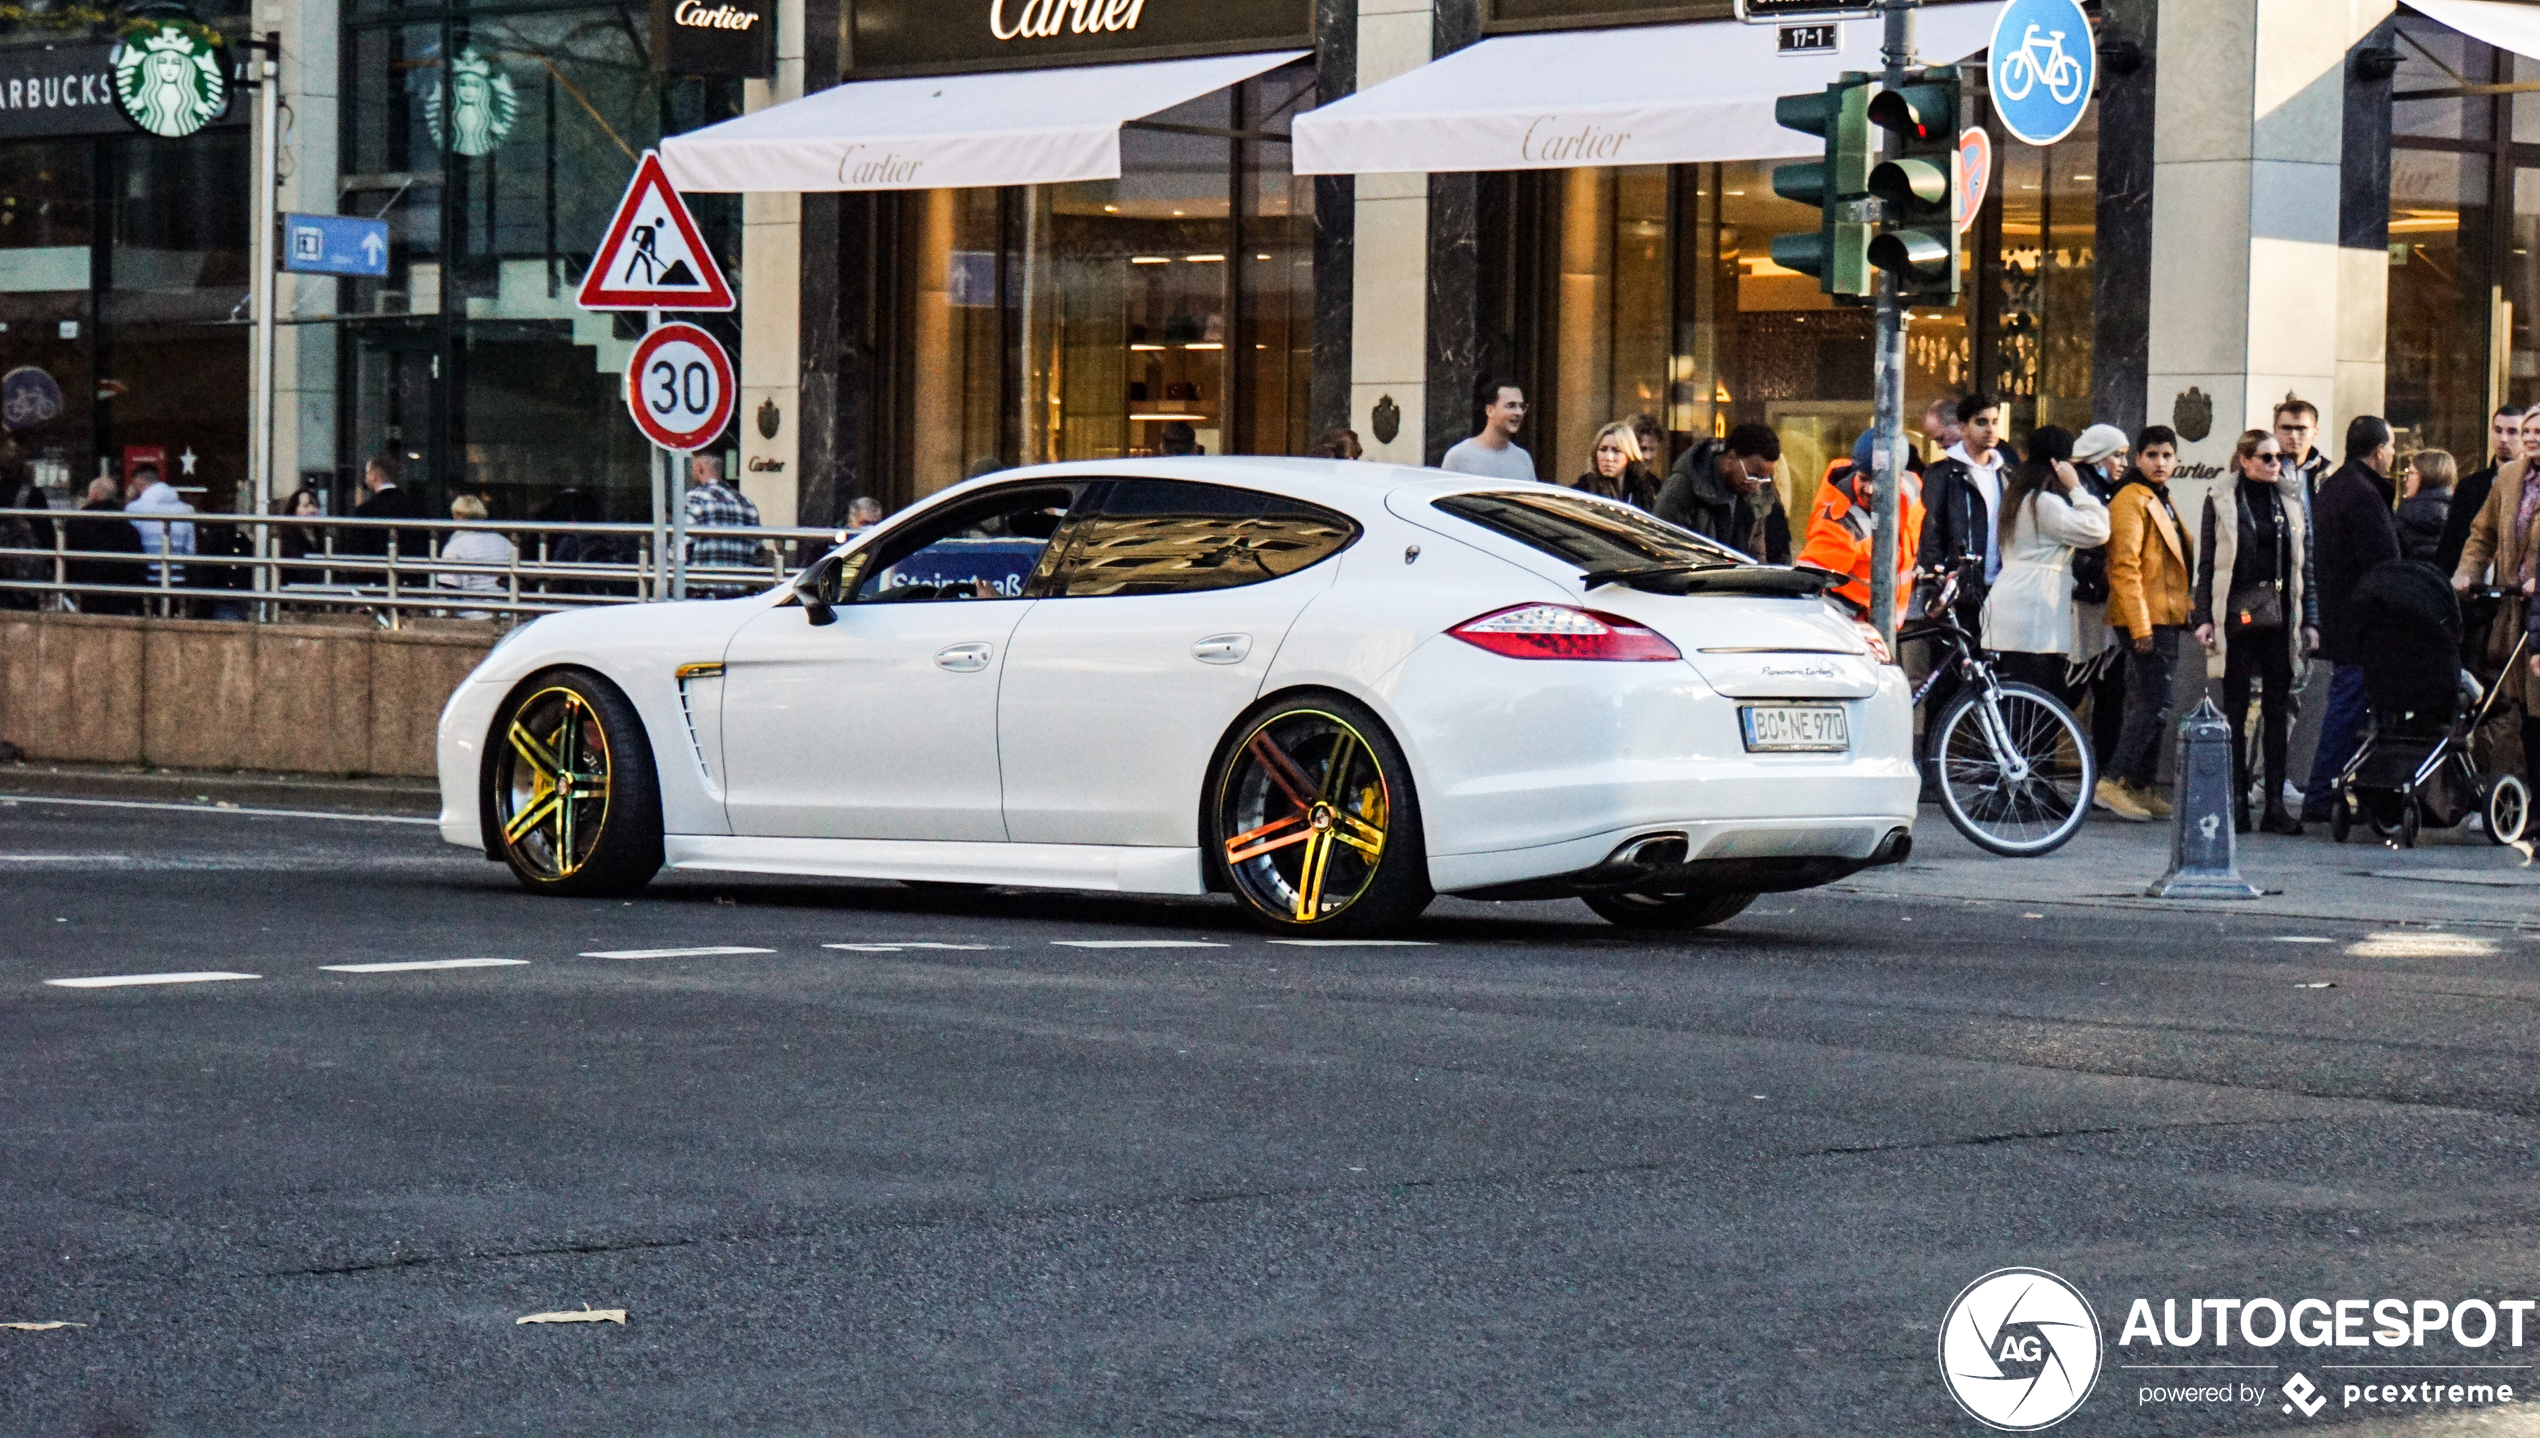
390, 569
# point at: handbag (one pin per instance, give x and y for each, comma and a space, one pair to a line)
2261, 606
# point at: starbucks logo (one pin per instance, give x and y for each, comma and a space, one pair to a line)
168, 77
483, 105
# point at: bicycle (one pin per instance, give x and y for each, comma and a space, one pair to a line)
2018, 72
2014, 768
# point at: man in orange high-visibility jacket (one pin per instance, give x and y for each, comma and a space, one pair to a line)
1841, 527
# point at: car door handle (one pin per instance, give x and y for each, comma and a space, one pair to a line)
1223, 649
964, 658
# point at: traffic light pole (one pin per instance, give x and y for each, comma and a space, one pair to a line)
1889, 448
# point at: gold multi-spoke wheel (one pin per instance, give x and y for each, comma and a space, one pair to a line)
1313, 823
569, 789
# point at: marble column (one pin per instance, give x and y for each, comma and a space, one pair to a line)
2249, 283
1335, 230
2129, 43
1455, 349
824, 463
1389, 263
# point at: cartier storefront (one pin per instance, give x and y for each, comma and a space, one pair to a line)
1067, 229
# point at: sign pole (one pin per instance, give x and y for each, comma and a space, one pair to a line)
1889, 448
268, 149
661, 505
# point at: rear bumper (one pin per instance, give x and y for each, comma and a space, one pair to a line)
1759, 856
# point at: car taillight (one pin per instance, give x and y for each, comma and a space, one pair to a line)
1876, 641
1557, 631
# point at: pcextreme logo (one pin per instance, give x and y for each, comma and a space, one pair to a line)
2020, 1349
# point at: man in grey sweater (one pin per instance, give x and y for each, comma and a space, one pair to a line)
1494, 453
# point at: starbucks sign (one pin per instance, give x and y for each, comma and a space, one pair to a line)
483, 105
169, 77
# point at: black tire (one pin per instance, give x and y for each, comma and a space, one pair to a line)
1638, 910
1312, 821
2411, 822
599, 831
2341, 819
2019, 818
2505, 809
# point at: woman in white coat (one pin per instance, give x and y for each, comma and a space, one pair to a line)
2046, 513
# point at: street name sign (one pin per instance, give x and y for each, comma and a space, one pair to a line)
679, 387
1773, 12
654, 257
335, 245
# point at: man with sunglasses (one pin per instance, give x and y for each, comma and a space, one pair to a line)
2352, 532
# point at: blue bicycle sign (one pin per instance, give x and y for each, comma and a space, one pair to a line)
2044, 64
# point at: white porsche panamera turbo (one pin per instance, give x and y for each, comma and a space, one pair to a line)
1331, 689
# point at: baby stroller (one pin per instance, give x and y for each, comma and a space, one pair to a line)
2415, 770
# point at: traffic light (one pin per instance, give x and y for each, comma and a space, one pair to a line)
1919, 181
1839, 253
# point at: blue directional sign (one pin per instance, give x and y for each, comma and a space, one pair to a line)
2044, 65
334, 245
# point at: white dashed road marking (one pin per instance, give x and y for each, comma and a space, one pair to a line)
116, 981
1356, 943
420, 965
706, 953
223, 810
1135, 944
895, 948
2302, 939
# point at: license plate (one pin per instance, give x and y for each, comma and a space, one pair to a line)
1800, 728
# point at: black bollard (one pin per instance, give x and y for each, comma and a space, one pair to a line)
2202, 865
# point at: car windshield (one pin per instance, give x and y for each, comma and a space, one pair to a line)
1592, 534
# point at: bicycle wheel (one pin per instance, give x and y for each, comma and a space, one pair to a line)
2015, 776
2015, 75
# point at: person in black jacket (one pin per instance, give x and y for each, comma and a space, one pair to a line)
385, 500
1723, 488
2425, 506
2469, 495
1960, 494
2353, 534
109, 536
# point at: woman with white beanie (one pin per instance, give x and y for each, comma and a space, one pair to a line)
2099, 454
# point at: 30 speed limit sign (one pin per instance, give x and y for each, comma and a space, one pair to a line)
679, 387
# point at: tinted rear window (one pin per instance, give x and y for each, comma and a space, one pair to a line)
1584, 531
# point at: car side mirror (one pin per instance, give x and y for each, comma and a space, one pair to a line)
812, 589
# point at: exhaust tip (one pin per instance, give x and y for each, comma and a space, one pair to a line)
1896, 848
1653, 851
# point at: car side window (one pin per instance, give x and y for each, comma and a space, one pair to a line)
987, 547
1173, 536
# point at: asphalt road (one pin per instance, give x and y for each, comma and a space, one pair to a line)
972, 1166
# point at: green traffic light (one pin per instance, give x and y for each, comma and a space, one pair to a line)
1915, 184
1915, 255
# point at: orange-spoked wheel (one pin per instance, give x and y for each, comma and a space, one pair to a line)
1314, 822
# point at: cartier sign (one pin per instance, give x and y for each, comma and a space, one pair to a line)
732, 38
942, 37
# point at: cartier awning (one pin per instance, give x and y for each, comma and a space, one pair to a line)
1032, 127
1638, 95
2507, 27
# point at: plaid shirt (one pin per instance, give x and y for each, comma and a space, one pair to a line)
715, 506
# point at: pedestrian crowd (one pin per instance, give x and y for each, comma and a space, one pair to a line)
2080, 575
